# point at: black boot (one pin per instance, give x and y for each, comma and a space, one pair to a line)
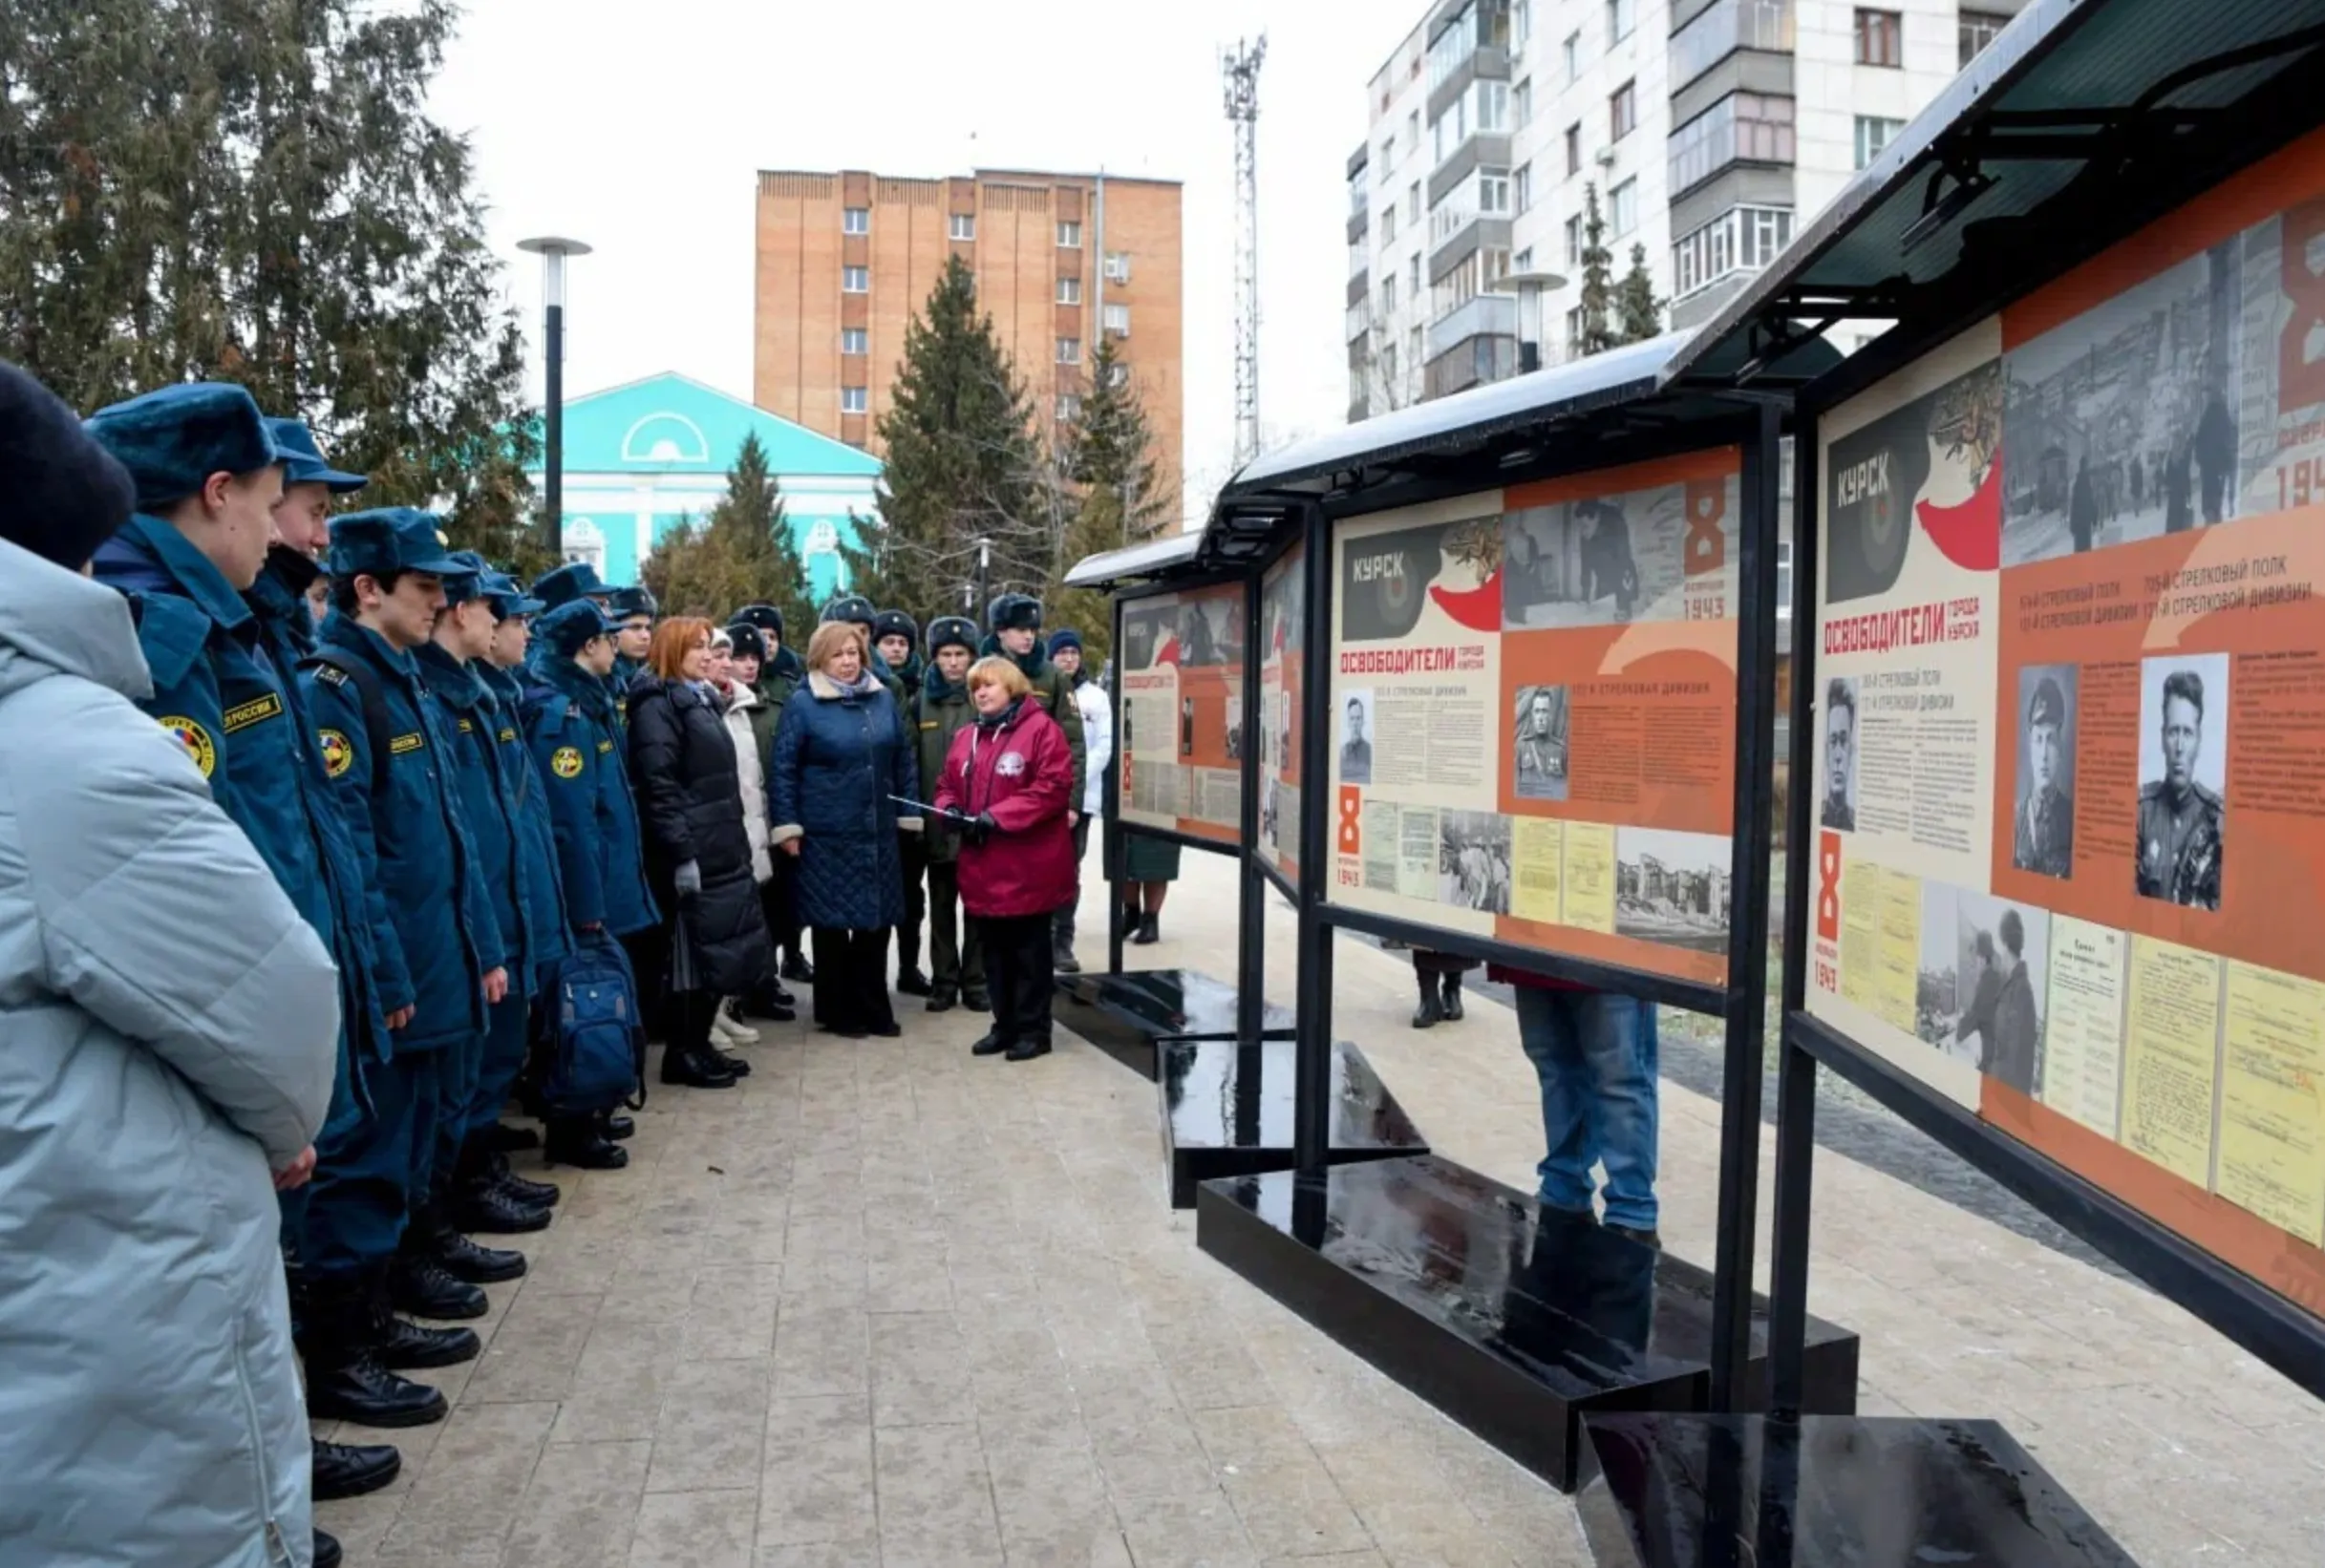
943, 999
617, 1128
576, 1142
327, 1550
739, 1066
1025, 1050
977, 999
1061, 954
348, 1470
1453, 994
344, 1379
487, 1209
405, 1347
479, 1265
696, 1068
768, 1000
797, 969
533, 1194
1148, 934
419, 1284
992, 1044
1432, 1010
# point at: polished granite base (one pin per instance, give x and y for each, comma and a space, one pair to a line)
1126, 1015
1227, 1110
1826, 1492
1514, 1319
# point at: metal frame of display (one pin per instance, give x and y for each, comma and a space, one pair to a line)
2244, 82
1615, 415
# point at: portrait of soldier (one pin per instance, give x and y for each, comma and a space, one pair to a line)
1840, 756
2180, 817
2043, 837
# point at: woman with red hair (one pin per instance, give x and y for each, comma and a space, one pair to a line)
682, 763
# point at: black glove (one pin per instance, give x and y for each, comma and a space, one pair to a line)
979, 828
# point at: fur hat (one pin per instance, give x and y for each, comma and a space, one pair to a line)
765, 617
951, 631
392, 539
1014, 612
574, 579
636, 600
747, 641
895, 624
852, 606
303, 461
172, 440
61, 493
571, 626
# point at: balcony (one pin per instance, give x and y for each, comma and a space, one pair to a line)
1358, 321
1483, 315
1473, 362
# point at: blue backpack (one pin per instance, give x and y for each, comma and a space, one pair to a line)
592, 1044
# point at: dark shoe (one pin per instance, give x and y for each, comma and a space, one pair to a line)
1025, 1050
1645, 1239
943, 999
479, 1265
494, 1211
1147, 932
1453, 996
912, 982
619, 1128
327, 1550
888, 1031
1064, 960
735, 1065
425, 1288
533, 1194
977, 999
766, 1000
506, 1139
1431, 1011
351, 1469
403, 1347
356, 1388
694, 1069
992, 1044
798, 969
583, 1148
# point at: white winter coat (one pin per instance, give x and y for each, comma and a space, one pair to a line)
168, 1031
1098, 743
750, 771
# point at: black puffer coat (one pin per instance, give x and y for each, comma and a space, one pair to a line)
690, 807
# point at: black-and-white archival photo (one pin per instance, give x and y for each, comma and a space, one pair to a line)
1473, 861
1357, 737
1982, 990
2183, 761
2042, 822
2121, 424
1537, 743
1672, 887
1837, 809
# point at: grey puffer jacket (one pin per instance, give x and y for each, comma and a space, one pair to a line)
168, 1031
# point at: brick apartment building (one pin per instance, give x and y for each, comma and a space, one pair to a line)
846, 261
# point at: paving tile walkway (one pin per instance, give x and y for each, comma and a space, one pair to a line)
888, 1306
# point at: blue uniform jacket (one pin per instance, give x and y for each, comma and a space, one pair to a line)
432, 917
548, 931
471, 719
568, 717
226, 684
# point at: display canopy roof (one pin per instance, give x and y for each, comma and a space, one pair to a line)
2082, 122
1173, 554
1506, 424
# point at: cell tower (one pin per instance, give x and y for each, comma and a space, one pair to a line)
1241, 68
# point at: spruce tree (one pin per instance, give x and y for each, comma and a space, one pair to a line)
1597, 334
741, 553
1111, 448
961, 463
1638, 313
253, 191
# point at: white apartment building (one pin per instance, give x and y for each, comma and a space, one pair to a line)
1709, 129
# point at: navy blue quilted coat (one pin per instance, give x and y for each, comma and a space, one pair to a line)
840, 753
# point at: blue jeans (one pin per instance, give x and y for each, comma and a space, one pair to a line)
1595, 1055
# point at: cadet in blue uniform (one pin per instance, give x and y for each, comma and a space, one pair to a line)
471, 1192
568, 720
209, 476
434, 928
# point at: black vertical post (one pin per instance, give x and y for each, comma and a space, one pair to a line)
1110, 824
1747, 913
1251, 924
1796, 1070
553, 423
1312, 1102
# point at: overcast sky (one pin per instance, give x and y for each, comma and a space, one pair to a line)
640, 128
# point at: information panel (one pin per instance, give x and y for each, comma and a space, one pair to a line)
1283, 618
2070, 841
1533, 702
1182, 692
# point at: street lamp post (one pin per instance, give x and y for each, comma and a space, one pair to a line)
1529, 287
553, 251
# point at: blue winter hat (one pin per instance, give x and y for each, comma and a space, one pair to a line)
638, 599
1064, 637
459, 590
172, 440
393, 539
508, 599
303, 461
851, 607
574, 579
572, 625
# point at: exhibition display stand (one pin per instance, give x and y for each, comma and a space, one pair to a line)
1220, 1056
1517, 678
2054, 875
